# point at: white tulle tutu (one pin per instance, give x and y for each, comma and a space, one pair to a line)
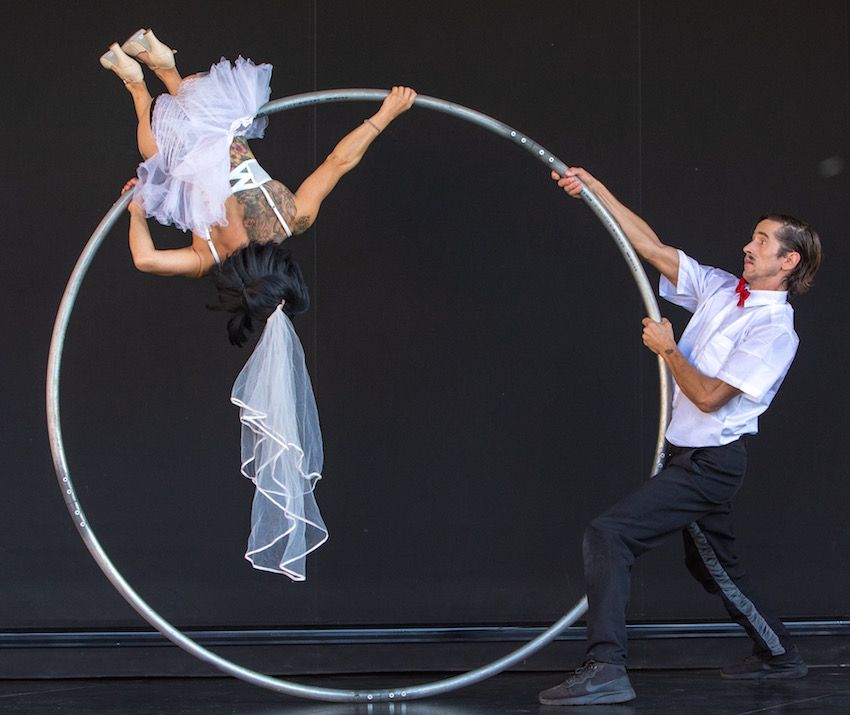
281, 451
185, 184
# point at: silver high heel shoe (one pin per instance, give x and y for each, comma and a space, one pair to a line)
125, 67
161, 56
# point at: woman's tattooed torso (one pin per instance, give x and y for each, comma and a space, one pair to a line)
258, 218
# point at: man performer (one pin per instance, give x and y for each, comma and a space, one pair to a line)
727, 366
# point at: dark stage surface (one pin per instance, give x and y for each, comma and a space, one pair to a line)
696, 692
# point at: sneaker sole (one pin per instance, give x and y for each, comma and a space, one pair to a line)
609, 698
766, 674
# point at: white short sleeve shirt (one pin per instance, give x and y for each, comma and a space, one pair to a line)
750, 348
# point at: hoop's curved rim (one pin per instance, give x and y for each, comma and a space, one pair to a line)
178, 637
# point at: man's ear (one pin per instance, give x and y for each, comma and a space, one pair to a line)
790, 260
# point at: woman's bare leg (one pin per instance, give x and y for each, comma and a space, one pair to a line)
169, 76
142, 104
142, 101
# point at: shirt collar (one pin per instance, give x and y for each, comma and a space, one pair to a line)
766, 297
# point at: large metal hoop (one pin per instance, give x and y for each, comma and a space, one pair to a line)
177, 636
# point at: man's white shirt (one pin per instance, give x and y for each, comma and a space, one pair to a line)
750, 348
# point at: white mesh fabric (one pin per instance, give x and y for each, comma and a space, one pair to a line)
186, 183
281, 451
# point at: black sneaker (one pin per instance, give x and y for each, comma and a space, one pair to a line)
756, 667
593, 684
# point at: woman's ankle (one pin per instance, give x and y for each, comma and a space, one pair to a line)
170, 77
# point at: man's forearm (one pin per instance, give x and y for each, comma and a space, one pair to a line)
643, 239
709, 394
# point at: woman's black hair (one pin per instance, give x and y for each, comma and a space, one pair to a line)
252, 282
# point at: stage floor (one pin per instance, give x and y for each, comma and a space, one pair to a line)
694, 692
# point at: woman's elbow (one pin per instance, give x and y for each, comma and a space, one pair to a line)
145, 263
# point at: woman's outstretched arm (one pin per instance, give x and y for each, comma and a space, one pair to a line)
345, 156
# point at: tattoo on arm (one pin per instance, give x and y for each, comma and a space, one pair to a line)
302, 224
239, 151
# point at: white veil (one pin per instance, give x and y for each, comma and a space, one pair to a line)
281, 450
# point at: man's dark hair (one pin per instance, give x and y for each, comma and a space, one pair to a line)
252, 282
797, 235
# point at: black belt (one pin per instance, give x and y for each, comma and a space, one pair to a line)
673, 451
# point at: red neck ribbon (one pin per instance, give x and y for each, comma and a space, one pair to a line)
742, 292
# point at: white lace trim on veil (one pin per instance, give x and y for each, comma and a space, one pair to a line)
281, 451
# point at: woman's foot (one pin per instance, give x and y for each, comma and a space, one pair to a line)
124, 66
145, 45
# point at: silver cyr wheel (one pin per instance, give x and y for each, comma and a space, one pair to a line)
177, 636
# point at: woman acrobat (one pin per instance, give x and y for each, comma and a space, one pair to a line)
199, 174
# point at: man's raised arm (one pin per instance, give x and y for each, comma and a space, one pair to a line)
663, 258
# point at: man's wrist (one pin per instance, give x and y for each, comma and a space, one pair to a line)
669, 352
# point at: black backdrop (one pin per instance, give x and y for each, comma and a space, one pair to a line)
474, 338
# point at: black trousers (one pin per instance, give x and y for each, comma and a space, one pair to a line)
692, 494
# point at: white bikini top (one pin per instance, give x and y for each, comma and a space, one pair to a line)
249, 175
